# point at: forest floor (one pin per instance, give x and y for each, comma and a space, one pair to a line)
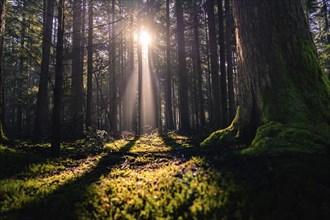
160, 177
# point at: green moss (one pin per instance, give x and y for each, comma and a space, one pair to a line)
224, 137
275, 138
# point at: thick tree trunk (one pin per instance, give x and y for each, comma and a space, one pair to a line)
282, 90
89, 67
57, 114
282, 82
77, 78
2, 33
183, 87
214, 65
41, 126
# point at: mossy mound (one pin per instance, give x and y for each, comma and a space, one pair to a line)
274, 138
225, 137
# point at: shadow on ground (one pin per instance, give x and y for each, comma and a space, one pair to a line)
292, 186
61, 203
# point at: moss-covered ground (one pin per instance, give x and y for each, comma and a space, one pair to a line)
160, 177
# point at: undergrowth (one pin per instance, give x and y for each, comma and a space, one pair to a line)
160, 177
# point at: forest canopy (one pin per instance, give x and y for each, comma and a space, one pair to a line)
164, 109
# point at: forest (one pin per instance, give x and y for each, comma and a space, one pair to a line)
164, 109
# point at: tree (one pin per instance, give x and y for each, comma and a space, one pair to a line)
229, 59
2, 34
223, 81
77, 79
283, 93
183, 87
197, 67
214, 64
89, 66
112, 70
57, 111
42, 111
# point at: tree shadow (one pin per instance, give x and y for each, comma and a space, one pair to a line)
61, 203
272, 186
13, 163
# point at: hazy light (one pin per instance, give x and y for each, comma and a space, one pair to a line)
145, 38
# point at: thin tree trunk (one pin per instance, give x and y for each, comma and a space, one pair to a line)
223, 80
89, 67
214, 64
2, 34
229, 34
57, 116
168, 90
183, 88
113, 95
198, 69
77, 74
20, 79
41, 126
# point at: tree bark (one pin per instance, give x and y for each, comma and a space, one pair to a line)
274, 80
283, 94
198, 69
77, 79
57, 114
2, 34
229, 59
41, 126
223, 80
214, 64
113, 88
168, 88
183, 87
89, 67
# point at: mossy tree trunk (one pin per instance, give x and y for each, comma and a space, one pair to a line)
283, 94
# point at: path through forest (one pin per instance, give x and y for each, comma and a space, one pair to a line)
159, 177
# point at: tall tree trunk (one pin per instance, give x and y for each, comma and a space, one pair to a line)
41, 126
21, 77
198, 69
229, 58
113, 88
2, 34
168, 90
89, 67
283, 93
223, 80
208, 77
77, 82
57, 115
140, 86
183, 82
214, 64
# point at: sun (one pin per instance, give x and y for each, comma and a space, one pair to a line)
145, 38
